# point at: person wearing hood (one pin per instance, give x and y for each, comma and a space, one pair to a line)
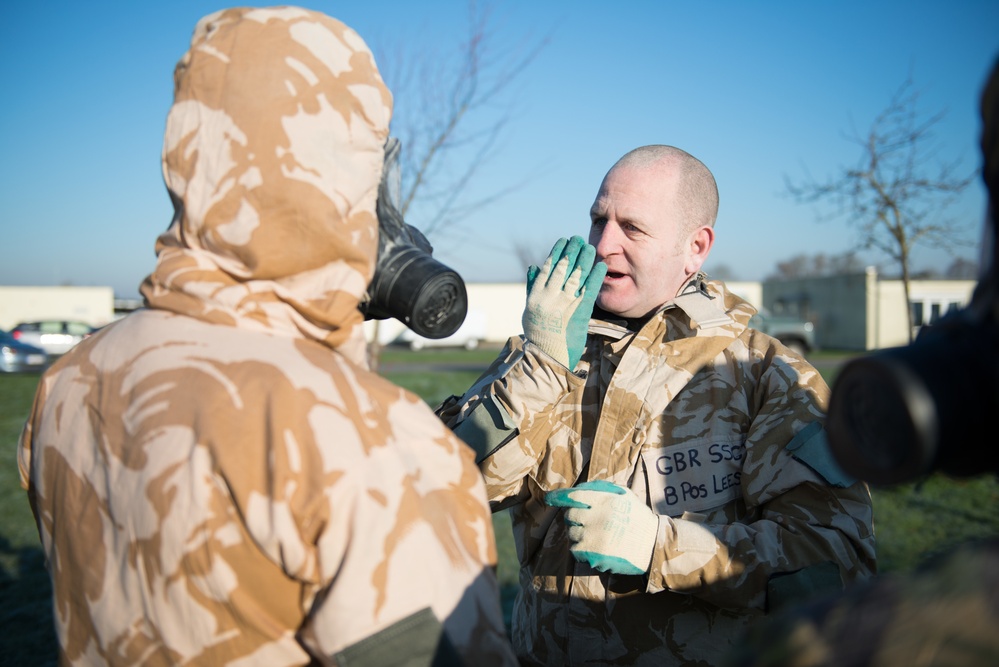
666, 464
218, 478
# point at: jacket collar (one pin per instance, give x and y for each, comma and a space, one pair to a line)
705, 310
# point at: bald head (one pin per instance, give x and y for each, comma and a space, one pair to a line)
652, 225
695, 187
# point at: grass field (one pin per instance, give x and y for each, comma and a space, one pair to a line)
913, 521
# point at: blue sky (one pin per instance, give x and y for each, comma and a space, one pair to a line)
757, 90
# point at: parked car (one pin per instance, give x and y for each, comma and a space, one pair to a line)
18, 357
469, 335
54, 336
795, 333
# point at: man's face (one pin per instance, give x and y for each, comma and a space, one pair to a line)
635, 226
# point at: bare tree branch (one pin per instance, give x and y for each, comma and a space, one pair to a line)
897, 193
806, 266
452, 111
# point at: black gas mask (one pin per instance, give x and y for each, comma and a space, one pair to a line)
409, 284
900, 413
904, 412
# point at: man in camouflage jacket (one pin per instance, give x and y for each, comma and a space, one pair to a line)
678, 427
218, 479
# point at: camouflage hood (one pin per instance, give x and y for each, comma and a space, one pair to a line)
272, 157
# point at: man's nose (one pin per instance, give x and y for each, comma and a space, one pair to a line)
606, 240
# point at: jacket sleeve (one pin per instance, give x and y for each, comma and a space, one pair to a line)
506, 416
806, 529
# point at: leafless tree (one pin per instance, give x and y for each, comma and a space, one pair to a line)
962, 268
806, 266
721, 272
451, 109
795, 267
898, 192
528, 253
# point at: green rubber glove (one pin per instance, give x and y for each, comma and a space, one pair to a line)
610, 528
560, 298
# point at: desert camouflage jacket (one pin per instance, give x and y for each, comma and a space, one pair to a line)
719, 428
218, 479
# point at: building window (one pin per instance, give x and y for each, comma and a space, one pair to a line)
934, 312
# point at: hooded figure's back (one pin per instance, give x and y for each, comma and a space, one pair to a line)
218, 479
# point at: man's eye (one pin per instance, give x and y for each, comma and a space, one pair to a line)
598, 222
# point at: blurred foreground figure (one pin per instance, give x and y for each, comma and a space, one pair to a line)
218, 479
947, 613
944, 615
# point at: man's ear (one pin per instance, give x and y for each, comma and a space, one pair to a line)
699, 245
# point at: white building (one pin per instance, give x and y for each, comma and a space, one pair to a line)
862, 311
858, 311
850, 312
92, 305
494, 312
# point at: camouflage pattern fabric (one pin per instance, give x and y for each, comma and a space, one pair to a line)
944, 615
718, 427
218, 479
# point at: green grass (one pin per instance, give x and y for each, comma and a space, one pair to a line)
16, 394
433, 387
481, 357
28, 636
913, 521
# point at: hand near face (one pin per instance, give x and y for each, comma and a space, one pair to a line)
560, 296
